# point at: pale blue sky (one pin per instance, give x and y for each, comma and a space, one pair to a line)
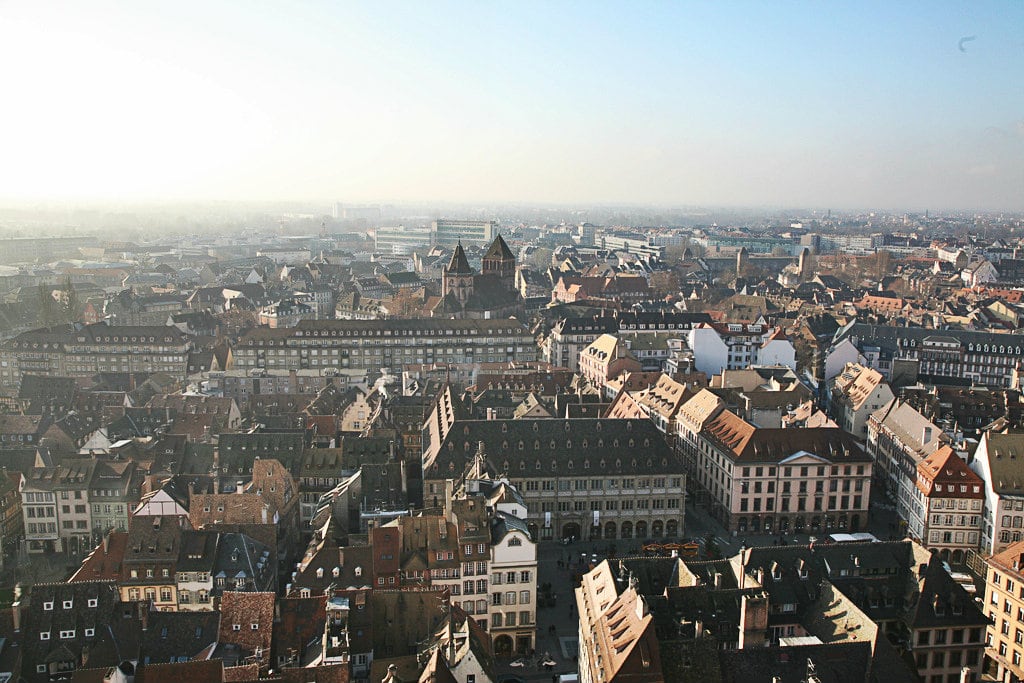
840, 105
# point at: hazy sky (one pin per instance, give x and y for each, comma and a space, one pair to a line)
823, 104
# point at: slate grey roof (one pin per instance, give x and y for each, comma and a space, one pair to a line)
544, 448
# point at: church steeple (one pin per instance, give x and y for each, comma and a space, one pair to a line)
459, 265
457, 277
500, 262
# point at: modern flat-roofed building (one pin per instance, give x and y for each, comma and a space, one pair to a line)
400, 239
448, 233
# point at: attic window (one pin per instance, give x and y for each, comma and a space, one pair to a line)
586, 464
504, 427
568, 465
47, 606
236, 627
358, 571
90, 632
254, 626
93, 602
68, 604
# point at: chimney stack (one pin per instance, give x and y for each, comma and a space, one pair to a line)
753, 621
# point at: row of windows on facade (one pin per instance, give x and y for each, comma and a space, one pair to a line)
608, 505
959, 504
951, 537
803, 471
801, 504
598, 484
819, 486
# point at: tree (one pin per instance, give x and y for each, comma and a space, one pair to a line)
882, 263
47, 312
540, 259
664, 282
69, 300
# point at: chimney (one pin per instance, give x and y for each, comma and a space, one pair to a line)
144, 614
16, 615
753, 620
106, 540
449, 494
718, 579
698, 628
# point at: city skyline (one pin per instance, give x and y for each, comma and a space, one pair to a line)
861, 106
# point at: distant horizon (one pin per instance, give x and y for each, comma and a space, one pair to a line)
324, 207
855, 107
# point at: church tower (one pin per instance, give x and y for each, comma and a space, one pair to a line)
804, 265
501, 262
457, 277
742, 262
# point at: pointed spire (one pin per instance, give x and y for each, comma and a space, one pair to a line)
499, 250
459, 265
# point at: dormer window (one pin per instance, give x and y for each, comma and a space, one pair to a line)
336, 572
358, 571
